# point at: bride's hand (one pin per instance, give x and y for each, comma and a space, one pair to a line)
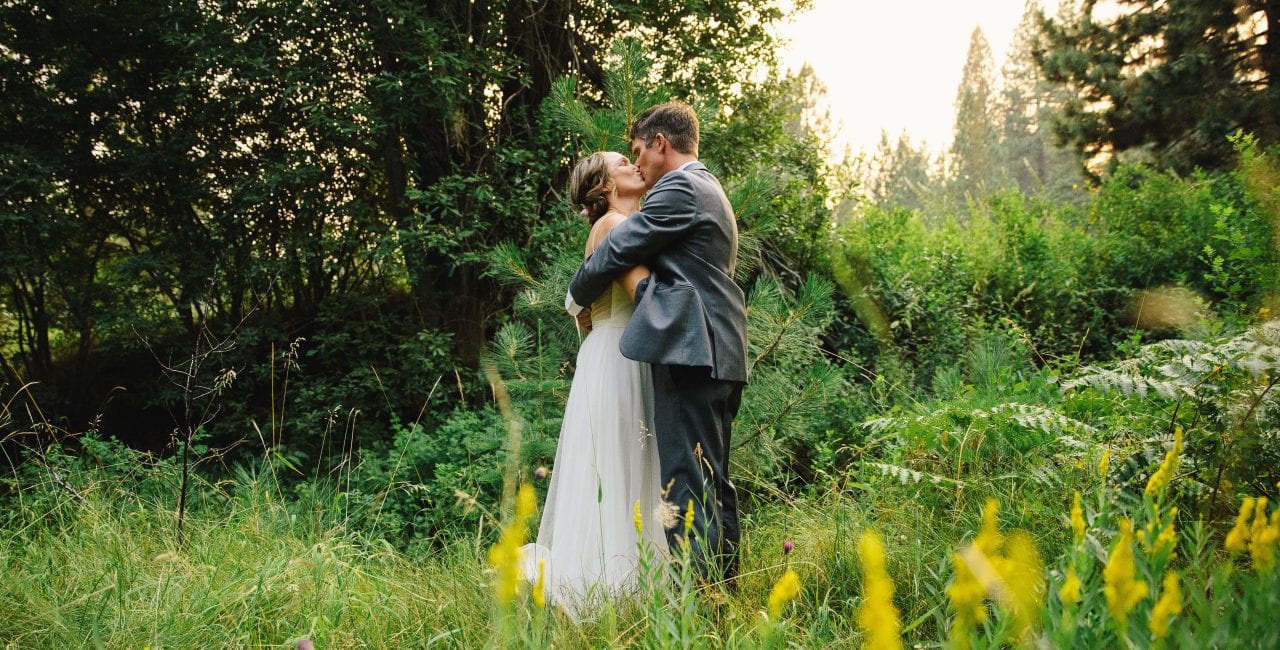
583, 320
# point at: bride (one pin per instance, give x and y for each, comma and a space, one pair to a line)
606, 458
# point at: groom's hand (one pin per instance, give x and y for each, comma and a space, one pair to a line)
583, 320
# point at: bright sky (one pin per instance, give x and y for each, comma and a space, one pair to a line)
896, 65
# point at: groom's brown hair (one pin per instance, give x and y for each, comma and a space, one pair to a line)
676, 121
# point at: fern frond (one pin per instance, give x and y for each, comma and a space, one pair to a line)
906, 475
1047, 420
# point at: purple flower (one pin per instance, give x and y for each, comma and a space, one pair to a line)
540, 473
787, 546
305, 644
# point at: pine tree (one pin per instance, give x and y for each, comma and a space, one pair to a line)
972, 168
1028, 156
1166, 81
900, 173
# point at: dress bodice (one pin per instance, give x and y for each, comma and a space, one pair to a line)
612, 308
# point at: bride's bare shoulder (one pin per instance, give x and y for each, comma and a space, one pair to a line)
601, 227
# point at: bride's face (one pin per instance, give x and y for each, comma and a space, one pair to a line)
626, 176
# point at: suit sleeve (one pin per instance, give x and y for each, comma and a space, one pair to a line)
669, 212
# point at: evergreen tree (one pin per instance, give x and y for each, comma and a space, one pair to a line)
1166, 80
972, 168
1029, 158
899, 173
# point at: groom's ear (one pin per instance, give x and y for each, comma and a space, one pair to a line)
659, 143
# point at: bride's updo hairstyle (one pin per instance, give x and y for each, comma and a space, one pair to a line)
590, 185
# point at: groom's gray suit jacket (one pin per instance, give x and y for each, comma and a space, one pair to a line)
690, 312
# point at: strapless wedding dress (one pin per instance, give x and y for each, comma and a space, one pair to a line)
606, 460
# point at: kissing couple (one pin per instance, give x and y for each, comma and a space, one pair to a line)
646, 432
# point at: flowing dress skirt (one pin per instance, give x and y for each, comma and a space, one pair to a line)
606, 461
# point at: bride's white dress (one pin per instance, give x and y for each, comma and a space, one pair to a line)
606, 460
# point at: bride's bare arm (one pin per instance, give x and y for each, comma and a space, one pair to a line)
632, 276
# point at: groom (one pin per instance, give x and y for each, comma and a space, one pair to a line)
690, 323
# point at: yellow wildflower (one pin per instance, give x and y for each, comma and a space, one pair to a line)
1077, 519
784, 590
1021, 575
1168, 466
1123, 592
688, 519
639, 521
989, 538
966, 594
1104, 464
540, 587
1238, 538
504, 556
1263, 545
1159, 535
1168, 606
1070, 591
877, 616
526, 502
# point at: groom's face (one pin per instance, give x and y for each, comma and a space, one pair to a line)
649, 158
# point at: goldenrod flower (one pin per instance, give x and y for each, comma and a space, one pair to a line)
1265, 536
688, 519
1104, 464
1168, 606
1168, 466
639, 521
1077, 519
1123, 592
784, 591
1159, 535
989, 538
526, 502
1070, 590
967, 595
504, 556
1014, 579
877, 616
1238, 538
540, 587
1022, 576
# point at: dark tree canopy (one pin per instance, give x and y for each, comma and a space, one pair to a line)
190, 161
1171, 79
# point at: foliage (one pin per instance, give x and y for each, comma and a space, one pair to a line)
972, 166
305, 152
1164, 81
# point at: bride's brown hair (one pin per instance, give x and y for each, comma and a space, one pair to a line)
590, 186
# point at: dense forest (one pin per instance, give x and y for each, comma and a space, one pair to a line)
281, 290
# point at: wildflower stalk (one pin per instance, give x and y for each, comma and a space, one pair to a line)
877, 617
1123, 592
